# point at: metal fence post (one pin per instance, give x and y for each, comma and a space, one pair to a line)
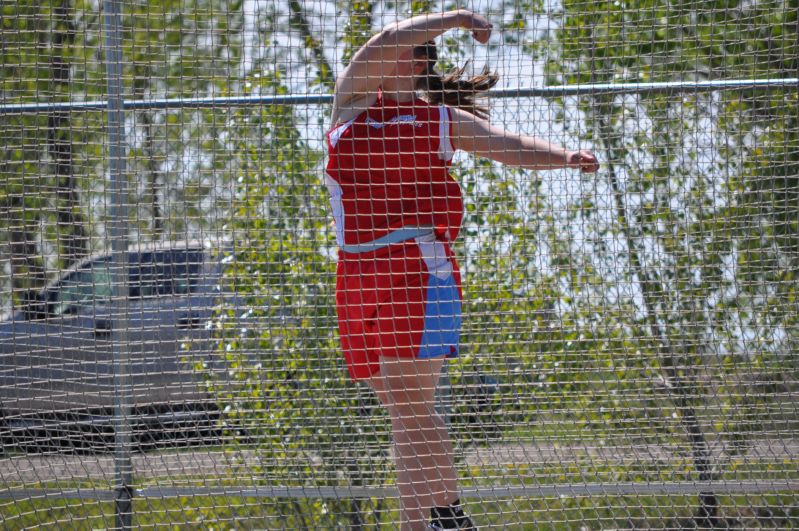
118, 233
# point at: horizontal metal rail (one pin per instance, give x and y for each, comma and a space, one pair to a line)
666, 488
668, 87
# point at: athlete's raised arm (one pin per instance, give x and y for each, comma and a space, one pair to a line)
357, 86
476, 135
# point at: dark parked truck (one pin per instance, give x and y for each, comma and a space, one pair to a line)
57, 350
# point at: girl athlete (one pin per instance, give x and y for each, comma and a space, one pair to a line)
397, 210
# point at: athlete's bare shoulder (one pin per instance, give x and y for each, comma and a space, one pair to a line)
350, 109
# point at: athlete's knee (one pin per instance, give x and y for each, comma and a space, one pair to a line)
415, 418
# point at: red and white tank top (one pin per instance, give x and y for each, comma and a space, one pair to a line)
388, 168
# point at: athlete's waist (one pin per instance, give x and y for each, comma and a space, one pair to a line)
398, 235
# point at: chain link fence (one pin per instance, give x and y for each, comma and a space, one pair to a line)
168, 347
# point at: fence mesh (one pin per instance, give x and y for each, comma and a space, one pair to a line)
629, 340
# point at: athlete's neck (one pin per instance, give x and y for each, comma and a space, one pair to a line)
400, 96
399, 92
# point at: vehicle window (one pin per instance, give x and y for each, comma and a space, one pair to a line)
83, 288
170, 272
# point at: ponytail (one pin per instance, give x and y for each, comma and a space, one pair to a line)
451, 89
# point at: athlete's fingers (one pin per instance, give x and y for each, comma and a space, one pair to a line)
482, 35
481, 28
583, 160
588, 162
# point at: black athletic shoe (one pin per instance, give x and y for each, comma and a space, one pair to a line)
450, 517
464, 524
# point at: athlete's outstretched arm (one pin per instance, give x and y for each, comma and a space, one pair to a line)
477, 136
380, 55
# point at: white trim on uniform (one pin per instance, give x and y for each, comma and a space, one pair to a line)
335, 191
335, 133
445, 149
435, 256
334, 188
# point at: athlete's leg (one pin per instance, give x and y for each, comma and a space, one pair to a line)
423, 453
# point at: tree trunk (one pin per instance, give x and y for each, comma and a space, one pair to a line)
679, 387
27, 271
299, 21
157, 220
71, 228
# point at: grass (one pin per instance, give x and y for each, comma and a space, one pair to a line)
778, 511
561, 513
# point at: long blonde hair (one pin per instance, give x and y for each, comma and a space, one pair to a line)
450, 89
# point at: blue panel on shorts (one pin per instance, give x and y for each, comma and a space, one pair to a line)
442, 320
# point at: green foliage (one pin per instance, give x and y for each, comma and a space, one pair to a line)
177, 158
687, 212
359, 28
48, 161
53, 165
229, 513
284, 385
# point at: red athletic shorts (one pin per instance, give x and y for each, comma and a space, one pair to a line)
401, 301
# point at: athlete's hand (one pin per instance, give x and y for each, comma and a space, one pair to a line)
479, 26
583, 160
